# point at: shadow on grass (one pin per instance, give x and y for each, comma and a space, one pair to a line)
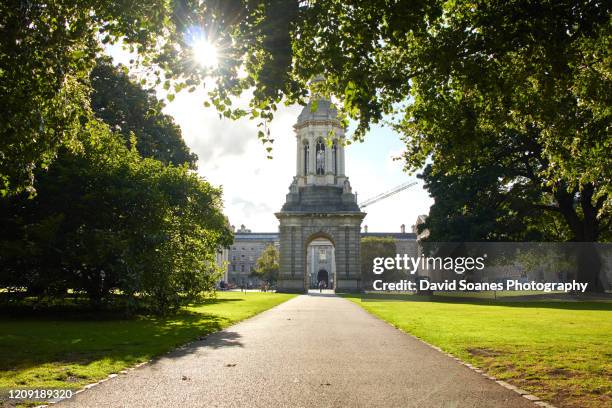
566, 302
78, 308
34, 342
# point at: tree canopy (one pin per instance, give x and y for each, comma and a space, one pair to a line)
523, 86
135, 111
47, 50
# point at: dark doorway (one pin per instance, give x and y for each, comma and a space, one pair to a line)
322, 275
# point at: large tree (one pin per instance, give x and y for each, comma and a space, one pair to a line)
132, 110
122, 212
106, 220
523, 87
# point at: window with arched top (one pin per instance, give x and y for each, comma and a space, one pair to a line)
320, 157
335, 157
306, 156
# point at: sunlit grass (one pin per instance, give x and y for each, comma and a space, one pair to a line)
559, 351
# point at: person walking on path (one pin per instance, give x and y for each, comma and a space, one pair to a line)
321, 286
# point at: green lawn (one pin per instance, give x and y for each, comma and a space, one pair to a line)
69, 353
559, 351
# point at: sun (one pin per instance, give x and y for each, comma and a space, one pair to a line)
206, 54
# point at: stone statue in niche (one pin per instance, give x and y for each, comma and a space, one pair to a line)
293, 188
346, 188
320, 162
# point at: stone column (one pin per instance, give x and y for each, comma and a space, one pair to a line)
291, 273
341, 159
333, 266
312, 166
313, 269
300, 154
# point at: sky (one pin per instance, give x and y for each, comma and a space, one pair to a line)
254, 187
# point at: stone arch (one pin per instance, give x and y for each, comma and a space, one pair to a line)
328, 235
298, 229
331, 271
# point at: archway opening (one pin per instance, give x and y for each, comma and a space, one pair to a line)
320, 264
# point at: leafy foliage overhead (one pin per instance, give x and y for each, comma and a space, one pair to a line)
47, 50
451, 76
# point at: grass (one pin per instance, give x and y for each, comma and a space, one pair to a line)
47, 352
559, 351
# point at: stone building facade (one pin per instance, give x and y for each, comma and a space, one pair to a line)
320, 255
243, 254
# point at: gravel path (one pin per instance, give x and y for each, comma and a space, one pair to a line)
312, 351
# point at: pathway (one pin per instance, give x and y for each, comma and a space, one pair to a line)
312, 351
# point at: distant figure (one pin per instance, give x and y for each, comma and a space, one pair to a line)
321, 286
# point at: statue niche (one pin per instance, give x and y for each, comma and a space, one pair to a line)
320, 156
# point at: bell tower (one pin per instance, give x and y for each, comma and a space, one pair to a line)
320, 203
320, 145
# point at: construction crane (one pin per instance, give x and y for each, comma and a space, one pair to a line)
386, 194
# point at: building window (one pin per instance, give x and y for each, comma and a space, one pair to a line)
233, 268
320, 157
306, 156
241, 268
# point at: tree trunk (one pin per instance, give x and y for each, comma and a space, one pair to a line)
588, 262
585, 234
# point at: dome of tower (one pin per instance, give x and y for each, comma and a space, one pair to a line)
325, 111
